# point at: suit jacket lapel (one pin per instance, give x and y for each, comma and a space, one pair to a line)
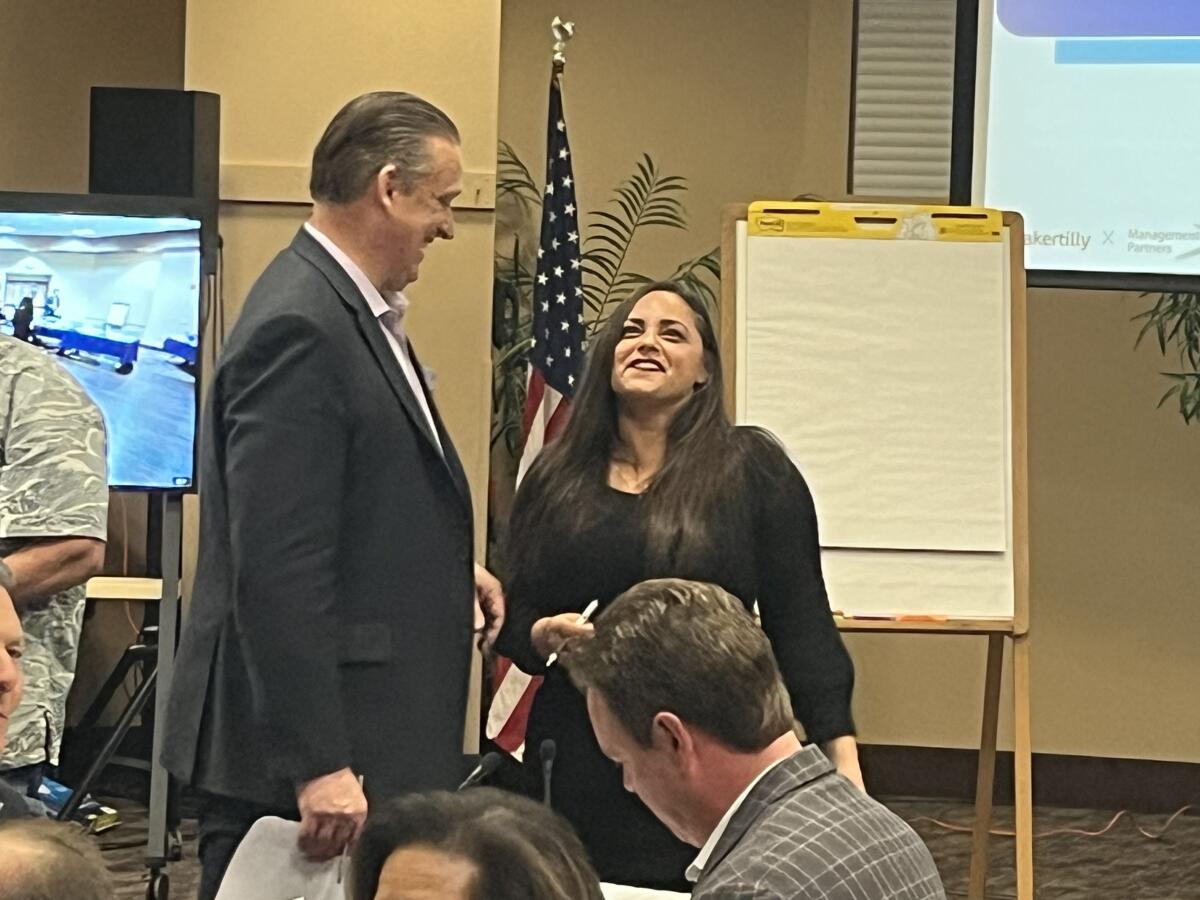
305, 245
379, 345
788, 776
457, 473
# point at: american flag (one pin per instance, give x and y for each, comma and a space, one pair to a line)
555, 366
556, 357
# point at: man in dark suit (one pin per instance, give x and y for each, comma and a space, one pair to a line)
329, 637
723, 769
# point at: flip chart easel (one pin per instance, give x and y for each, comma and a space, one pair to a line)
886, 345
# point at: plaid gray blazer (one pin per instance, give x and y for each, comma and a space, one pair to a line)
805, 831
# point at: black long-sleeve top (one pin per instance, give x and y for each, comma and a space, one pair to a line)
776, 562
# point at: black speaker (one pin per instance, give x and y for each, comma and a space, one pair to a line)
155, 142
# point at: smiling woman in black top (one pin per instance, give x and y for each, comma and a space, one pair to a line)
650, 479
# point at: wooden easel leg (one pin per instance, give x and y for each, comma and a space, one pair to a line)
985, 779
1023, 767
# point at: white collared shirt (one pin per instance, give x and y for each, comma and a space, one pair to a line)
379, 306
696, 869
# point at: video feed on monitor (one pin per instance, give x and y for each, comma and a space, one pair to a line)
115, 300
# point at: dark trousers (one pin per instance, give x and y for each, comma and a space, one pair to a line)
223, 822
26, 780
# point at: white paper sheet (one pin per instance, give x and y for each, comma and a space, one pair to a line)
906, 582
883, 366
624, 892
268, 865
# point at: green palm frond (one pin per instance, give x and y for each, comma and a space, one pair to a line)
701, 275
508, 389
646, 199
513, 178
517, 271
692, 274
1175, 320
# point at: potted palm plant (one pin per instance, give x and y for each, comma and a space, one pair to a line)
1175, 322
647, 199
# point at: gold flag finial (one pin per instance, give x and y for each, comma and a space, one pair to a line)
563, 32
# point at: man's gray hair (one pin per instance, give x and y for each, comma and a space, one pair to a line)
7, 580
45, 860
687, 648
372, 131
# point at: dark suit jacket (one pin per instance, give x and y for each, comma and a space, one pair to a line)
805, 831
331, 619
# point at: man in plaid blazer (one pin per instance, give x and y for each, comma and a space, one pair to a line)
685, 695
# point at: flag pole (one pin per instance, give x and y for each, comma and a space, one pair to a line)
555, 360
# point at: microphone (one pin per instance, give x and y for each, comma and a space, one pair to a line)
546, 751
486, 768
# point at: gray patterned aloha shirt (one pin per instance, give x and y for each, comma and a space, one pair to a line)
52, 485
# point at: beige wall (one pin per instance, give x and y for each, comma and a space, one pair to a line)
275, 103
1114, 511
51, 54
677, 79
283, 68
1114, 514
671, 78
1115, 483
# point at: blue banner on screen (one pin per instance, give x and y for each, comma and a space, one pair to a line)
116, 301
1090, 132
1099, 18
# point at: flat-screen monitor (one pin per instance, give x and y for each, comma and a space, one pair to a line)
1084, 123
110, 289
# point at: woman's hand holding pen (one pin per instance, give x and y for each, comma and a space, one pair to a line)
551, 633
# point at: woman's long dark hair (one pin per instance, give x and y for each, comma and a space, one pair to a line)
703, 464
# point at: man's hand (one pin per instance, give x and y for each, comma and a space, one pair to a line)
333, 808
489, 596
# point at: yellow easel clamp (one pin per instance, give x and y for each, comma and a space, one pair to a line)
968, 224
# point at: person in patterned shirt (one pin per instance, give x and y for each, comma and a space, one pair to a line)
53, 524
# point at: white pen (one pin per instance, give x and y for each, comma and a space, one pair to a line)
582, 620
